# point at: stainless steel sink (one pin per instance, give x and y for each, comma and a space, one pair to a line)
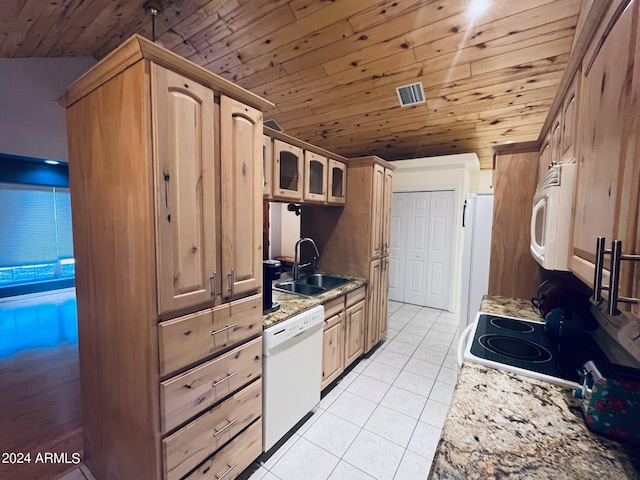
325, 281
298, 288
311, 285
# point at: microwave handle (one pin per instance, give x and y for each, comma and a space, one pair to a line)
534, 214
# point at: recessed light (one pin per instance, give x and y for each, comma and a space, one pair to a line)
52, 162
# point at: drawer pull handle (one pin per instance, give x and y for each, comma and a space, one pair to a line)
227, 472
228, 327
215, 384
227, 426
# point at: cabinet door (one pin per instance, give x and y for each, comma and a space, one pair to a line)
185, 185
556, 140
287, 171
386, 211
545, 158
267, 166
337, 191
332, 349
241, 150
606, 125
569, 117
373, 305
315, 177
376, 211
354, 332
384, 298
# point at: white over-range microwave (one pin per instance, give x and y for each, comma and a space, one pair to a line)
551, 217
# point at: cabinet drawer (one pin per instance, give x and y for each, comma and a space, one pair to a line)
186, 340
355, 296
333, 307
190, 445
195, 390
229, 462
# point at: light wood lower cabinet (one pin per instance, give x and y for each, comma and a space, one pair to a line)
343, 336
229, 462
189, 339
189, 446
354, 332
332, 349
188, 394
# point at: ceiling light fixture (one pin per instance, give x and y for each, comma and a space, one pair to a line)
477, 8
152, 8
52, 162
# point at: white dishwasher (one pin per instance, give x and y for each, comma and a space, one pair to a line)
292, 372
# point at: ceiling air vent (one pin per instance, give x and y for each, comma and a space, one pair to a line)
410, 94
271, 123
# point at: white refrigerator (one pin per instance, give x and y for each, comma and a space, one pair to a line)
478, 218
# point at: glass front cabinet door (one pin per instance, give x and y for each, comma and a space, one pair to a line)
337, 182
315, 177
287, 171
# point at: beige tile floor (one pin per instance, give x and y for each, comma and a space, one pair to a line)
382, 420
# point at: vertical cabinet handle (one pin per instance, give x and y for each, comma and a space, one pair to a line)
213, 285
231, 276
597, 271
614, 275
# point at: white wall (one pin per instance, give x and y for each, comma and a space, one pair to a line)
33, 124
284, 230
460, 173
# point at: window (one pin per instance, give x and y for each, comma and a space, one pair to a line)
35, 234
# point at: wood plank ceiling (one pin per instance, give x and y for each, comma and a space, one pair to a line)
331, 66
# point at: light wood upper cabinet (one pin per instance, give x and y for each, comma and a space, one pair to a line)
569, 121
386, 210
377, 211
556, 140
267, 166
315, 177
545, 159
185, 185
287, 171
606, 133
241, 149
337, 182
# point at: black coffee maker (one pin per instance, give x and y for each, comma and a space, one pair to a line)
270, 272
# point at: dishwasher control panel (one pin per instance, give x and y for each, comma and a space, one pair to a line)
291, 327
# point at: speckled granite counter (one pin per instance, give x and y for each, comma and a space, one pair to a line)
510, 307
291, 304
502, 424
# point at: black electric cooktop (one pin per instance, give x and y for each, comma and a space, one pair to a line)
526, 345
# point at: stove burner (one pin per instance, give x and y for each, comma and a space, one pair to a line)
515, 348
511, 324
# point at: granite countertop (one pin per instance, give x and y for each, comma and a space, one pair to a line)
291, 304
510, 307
502, 424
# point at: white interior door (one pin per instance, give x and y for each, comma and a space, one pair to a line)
421, 250
440, 249
416, 266
396, 248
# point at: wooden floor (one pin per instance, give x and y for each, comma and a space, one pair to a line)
39, 385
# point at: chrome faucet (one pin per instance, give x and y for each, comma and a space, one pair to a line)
296, 257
